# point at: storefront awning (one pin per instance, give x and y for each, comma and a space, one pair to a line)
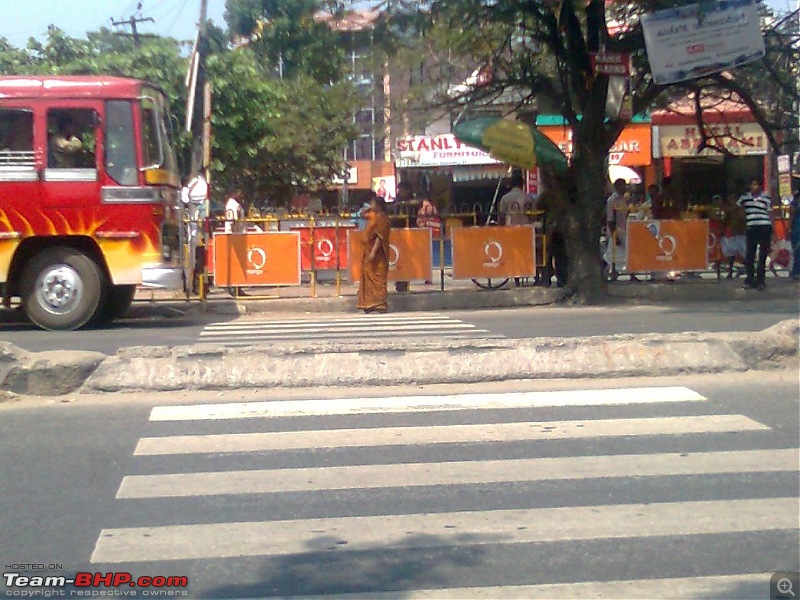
461, 174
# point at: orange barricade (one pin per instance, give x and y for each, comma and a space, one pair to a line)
325, 246
493, 252
714, 236
667, 246
253, 259
409, 256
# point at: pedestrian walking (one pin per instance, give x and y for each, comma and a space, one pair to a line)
757, 207
372, 292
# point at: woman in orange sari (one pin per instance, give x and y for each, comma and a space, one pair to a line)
372, 292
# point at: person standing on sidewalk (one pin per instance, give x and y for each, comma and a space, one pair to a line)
372, 292
794, 230
757, 207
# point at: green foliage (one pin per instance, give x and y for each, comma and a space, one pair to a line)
288, 38
274, 137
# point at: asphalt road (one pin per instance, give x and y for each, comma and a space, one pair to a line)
177, 324
689, 491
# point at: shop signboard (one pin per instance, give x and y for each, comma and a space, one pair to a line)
438, 151
739, 139
493, 252
698, 39
633, 147
255, 259
410, 256
670, 245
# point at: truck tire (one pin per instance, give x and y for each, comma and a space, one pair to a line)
118, 301
62, 289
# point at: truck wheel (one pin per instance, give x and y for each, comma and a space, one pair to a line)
117, 303
62, 288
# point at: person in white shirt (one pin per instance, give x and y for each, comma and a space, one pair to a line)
512, 204
757, 207
234, 212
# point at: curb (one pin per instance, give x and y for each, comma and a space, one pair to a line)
458, 361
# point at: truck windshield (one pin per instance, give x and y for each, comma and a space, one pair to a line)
157, 147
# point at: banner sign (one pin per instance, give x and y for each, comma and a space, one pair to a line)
438, 151
740, 139
655, 246
699, 39
493, 252
254, 259
633, 147
410, 257
325, 246
611, 63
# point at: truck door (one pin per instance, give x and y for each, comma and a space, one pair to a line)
74, 155
19, 179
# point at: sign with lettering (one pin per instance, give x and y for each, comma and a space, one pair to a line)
698, 39
611, 63
437, 151
633, 147
741, 139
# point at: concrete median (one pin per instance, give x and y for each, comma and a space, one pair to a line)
396, 362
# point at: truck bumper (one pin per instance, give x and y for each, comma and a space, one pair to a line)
167, 278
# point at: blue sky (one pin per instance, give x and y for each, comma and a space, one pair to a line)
22, 19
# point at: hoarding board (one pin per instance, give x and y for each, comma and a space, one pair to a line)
700, 39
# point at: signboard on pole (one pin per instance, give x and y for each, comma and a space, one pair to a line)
700, 39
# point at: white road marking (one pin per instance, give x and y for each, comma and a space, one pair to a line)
469, 528
399, 404
455, 473
746, 585
442, 434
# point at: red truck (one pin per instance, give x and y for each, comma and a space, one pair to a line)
89, 197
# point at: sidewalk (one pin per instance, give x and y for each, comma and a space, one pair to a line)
465, 295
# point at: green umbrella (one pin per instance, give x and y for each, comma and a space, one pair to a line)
512, 142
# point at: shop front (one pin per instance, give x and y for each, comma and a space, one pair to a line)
736, 151
455, 177
630, 158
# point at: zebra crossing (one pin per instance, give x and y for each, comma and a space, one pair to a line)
418, 483
246, 332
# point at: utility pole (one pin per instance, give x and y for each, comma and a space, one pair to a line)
132, 22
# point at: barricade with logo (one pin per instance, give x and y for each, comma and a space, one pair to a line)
493, 252
410, 256
669, 245
329, 245
256, 259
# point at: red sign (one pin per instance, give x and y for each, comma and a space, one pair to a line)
611, 63
325, 246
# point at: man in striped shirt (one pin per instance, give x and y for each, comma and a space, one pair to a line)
757, 207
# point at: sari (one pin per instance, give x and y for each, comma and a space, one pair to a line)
372, 293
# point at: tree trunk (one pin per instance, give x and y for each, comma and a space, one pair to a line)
586, 274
